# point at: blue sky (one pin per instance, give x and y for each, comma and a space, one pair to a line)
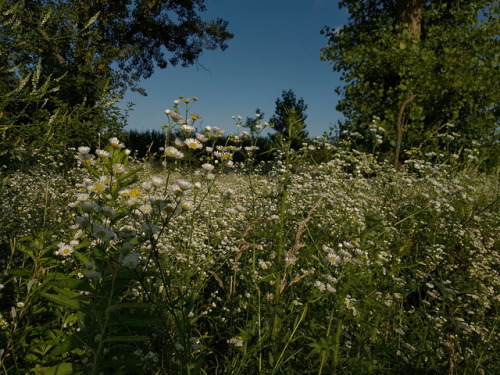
276, 47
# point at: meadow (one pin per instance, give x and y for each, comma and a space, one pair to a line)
325, 260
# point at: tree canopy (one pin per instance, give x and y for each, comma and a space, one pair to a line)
91, 51
421, 66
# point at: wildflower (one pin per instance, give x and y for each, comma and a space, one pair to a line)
98, 187
81, 197
127, 246
169, 208
131, 260
223, 155
157, 200
176, 116
157, 181
102, 154
93, 275
236, 341
114, 142
145, 208
134, 193
86, 159
193, 143
172, 152
333, 258
245, 134
127, 232
107, 211
82, 222
20, 304
208, 167
118, 168
217, 131
195, 116
149, 229
124, 192
83, 150
251, 148
64, 249
201, 137
183, 184
187, 128
185, 206
102, 233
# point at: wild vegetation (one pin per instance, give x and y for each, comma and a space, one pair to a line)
212, 266
193, 250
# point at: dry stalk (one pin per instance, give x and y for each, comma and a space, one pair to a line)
243, 245
291, 257
449, 345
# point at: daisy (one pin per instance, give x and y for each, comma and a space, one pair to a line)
201, 137
208, 167
193, 143
83, 150
131, 260
118, 168
183, 184
89, 207
93, 275
102, 154
172, 152
102, 233
187, 128
157, 181
64, 249
223, 155
86, 158
115, 142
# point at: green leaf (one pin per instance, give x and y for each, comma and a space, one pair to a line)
126, 339
68, 344
73, 283
93, 171
63, 300
133, 320
21, 272
64, 368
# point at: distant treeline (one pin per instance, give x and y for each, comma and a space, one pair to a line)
150, 143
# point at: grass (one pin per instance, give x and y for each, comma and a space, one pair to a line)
342, 267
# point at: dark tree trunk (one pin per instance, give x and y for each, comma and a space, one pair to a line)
409, 15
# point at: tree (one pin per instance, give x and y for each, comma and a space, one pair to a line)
93, 50
289, 118
418, 65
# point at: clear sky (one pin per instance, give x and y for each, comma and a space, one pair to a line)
276, 47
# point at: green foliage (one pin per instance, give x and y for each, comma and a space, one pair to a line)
64, 64
441, 54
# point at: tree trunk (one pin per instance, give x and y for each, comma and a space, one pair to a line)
409, 15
